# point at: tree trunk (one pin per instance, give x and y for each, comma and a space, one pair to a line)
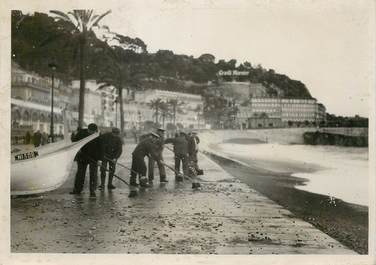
174, 113
81, 102
156, 114
120, 92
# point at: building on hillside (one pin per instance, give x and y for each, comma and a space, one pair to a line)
188, 115
299, 110
135, 114
31, 102
36, 116
280, 112
320, 113
99, 105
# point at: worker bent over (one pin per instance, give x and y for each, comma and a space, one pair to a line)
112, 147
147, 147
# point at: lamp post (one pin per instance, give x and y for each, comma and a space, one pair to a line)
53, 67
116, 111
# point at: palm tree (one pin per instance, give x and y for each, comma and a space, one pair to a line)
80, 23
200, 114
115, 75
156, 105
175, 104
165, 112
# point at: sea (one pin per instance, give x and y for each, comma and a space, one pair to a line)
338, 172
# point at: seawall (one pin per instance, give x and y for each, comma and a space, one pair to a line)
281, 135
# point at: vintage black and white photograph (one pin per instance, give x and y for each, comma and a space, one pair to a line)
191, 127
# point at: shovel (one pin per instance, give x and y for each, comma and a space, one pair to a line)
133, 193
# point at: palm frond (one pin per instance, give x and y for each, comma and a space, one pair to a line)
104, 85
77, 21
96, 20
88, 16
61, 15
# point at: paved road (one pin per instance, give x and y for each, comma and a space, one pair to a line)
224, 217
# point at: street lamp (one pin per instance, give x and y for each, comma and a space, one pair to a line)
116, 110
53, 68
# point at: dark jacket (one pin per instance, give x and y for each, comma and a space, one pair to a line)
90, 152
111, 145
148, 146
180, 144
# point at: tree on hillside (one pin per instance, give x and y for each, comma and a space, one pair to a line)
29, 32
165, 112
121, 70
175, 106
207, 57
155, 105
80, 23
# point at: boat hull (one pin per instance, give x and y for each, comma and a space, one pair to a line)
45, 172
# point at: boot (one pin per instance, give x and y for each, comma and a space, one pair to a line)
92, 194
103, 178
133, 193
151, 180
196, 185
179, 178
163, 179
144, 182
133, 182
111, 187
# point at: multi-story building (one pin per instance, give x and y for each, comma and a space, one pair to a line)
320, 113
31, 101
299, 110
188, 115
278, 112
272, 107
99, 105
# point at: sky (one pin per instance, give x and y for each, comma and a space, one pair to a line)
328, 45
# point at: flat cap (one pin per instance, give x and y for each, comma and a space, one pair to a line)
92, 127
115, 130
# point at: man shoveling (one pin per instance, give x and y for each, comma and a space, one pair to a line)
148, 147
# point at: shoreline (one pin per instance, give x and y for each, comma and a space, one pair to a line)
346, 222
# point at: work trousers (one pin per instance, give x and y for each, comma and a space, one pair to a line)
194, 161
161, 168
111, 169
183, 158
81, 173
138, 167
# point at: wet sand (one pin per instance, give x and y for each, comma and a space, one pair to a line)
346, 222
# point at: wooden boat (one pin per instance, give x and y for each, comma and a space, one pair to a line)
44, 168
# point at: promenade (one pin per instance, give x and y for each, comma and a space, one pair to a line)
223, 217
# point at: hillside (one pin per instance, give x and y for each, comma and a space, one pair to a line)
38, 40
